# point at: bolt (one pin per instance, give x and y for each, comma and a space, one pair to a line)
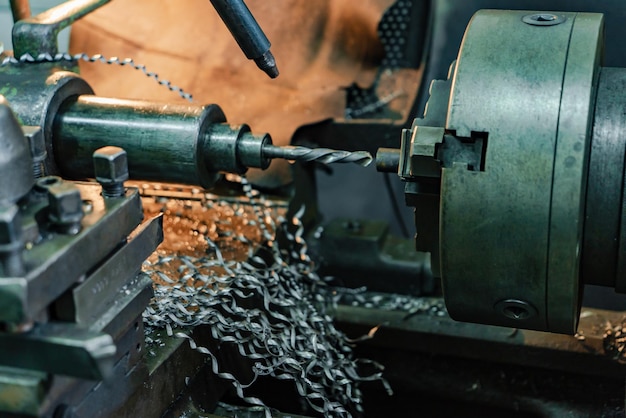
516, 309
11, 261
37, 144
65, 207
111, 170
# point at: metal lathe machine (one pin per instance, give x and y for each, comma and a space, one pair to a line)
143, 274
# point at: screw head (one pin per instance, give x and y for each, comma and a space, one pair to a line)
10, 224
544, 19
515, 309
110, 165
65, 203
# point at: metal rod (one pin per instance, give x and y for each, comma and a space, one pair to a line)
20, 9
248, 34
387, 160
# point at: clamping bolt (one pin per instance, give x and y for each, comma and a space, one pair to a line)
65, 207
111, 170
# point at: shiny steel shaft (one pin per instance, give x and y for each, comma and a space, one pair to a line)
322, 155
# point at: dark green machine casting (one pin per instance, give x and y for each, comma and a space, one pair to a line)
516, 170
173, 143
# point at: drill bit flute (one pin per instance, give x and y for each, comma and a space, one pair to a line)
320, 155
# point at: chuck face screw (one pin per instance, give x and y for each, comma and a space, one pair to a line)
111, 170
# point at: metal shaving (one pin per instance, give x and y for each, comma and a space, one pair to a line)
268, 306
380, 103
411, 305
614, 341
129, 62
288, 336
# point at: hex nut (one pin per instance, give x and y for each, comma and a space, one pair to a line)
65, 203
10, 225
110, 165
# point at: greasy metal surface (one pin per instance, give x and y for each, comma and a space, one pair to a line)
424, 161
95, 295
518, 235
606, 176
11, 244
52, 264
171, 143
605, 226
25, 389
510, 120
36, 92
571, 165
173, 369
460, 369
226, 410
163, 142
16, 175
587, 353
447, 33
387, 160
59, 348
38, 34
362, 253
76, 334
229, 147
123, 371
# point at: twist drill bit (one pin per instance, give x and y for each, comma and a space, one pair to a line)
322, 155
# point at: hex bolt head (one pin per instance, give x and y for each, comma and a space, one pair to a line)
10, 225
65, 207
111, 170
516, 309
